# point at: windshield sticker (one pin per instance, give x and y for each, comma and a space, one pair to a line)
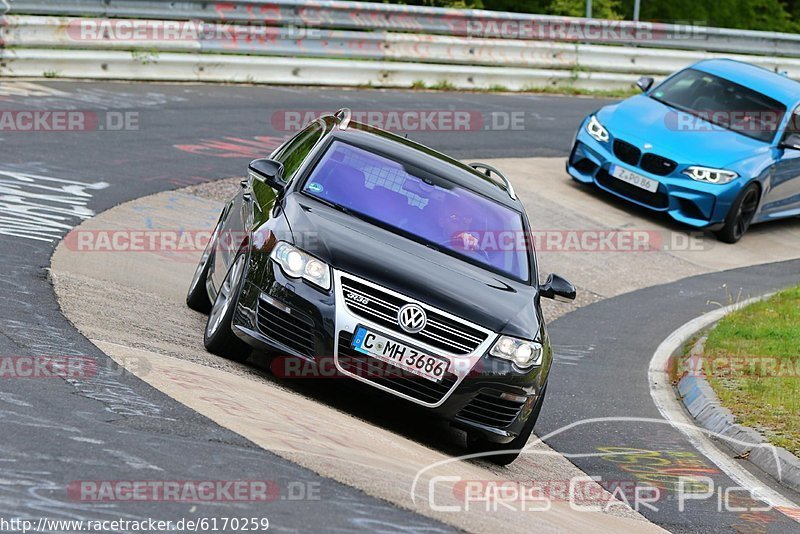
315, 187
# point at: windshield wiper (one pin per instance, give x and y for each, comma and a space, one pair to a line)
337, 207
342, 209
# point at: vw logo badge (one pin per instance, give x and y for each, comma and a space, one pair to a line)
412, 318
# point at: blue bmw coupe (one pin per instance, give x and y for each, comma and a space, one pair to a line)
716, 146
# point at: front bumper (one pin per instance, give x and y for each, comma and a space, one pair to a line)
479, 393
693, 203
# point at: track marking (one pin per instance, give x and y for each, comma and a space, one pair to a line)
673, 411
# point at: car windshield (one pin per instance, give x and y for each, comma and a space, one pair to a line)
425, 207
723, 103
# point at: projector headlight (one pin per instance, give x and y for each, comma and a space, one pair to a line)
521, 352
298, 264
597, 130
712, 176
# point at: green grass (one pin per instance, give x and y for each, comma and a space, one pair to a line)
762, 389
442, 85
569, 90
576, 91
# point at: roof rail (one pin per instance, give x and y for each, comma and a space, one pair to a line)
343, 115
488, 170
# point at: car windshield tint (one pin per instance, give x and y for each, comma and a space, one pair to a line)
722, 102
422, 206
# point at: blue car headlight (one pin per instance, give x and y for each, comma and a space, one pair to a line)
298, 264
597, 130
521, 352
710, 175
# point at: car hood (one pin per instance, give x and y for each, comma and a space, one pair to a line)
675, 134
358, 247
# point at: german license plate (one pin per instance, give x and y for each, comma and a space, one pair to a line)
634, 178
399, 354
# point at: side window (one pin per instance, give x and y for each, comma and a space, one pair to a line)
793, 127
294, 152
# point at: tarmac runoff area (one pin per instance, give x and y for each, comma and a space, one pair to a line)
131, 305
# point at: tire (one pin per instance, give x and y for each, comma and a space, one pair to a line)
219, 338
197, 296
738, 220
479, 444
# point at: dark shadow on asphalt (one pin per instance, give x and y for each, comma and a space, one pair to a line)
370, 405
668, 223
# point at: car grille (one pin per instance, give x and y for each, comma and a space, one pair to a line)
657, 200
489, 409
290, 328
390, 376
627, 152
652, 163
381, 307
657, 165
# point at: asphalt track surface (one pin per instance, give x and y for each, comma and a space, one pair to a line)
614, 340
117, 425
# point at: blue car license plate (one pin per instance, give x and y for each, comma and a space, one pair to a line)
399, 354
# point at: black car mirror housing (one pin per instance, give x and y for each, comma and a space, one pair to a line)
267, 171
645, 83
556, 287
791, 141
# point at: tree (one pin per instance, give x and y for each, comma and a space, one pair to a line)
770, 15
601, 9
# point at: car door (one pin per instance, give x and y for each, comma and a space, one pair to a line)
782, 197
292, 154
252, 207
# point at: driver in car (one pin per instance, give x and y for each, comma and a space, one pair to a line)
455, 222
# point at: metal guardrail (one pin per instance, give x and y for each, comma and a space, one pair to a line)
170, 66
57, 32
387, 45
429, 20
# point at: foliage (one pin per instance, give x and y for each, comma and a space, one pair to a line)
770, 15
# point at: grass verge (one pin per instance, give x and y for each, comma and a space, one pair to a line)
566, 90
752, 361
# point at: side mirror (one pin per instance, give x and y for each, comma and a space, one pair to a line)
267, 171
791, 141
645, 83
557, 288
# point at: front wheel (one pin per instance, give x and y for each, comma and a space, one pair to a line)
740, 215
479, 444
197, 296
219, 338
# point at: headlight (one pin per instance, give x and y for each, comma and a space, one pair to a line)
521, 352
597, 130
298, 264
712, 176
